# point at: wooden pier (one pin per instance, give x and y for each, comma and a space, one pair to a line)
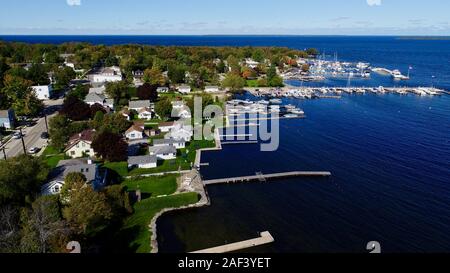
264, 177
266, 238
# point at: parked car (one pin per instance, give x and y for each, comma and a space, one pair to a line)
17, 135
34, 150
45, 135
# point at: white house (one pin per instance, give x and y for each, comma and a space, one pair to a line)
98, 90
7, 118
251, 63
126, 113
108, 74
182, 113
164, 152
80, 145
179, 144
43, 92
145, 113
134, 133
165, 127
179, 104
143, 162
212, 89
180, 132
184, 89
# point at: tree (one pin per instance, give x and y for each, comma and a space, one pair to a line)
233, 64
3, 68
63, 77
59, 131
115, 123
73, 181
118, 199
176, 74
110, 146
42, 225
154, 76
97, 121
87, 211
20, 178
148, 92
262, 82
9, 229
76, 109
38, 75
305, 67
80, 91
258, 55
118, 91
95, 108
312, 52
19, 95
164, 108
234, 82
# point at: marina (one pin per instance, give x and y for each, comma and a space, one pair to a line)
336, 92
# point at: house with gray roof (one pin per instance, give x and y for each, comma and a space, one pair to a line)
95, 98
143, 162
179, 144
164, 152
85, 166
138, 105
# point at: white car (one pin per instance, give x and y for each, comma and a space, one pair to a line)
34, 150
17, 135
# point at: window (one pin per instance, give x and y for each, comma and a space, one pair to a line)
72, 152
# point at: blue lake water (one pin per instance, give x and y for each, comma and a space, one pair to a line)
389, 156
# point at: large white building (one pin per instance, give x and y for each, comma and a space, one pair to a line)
108, 74
43, 92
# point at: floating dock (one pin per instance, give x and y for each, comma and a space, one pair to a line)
266, 238
264, 177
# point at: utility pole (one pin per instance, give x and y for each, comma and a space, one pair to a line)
23, 142
4, 152
46, 123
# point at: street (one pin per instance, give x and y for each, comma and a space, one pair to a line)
32, 135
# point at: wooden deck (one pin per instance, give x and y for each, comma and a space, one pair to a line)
264, 177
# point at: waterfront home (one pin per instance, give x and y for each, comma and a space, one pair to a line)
163, 152
184, 89
180, 132
181, 113
138, 105
95, 98
135, 132
178, 104
80, 145
145, 113
108, 74
7, 119
179, 144
165, 127
163, 89
251, 63
91, 171
43, 92
142, 162
212, 89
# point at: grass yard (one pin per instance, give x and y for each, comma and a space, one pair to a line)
121, 168
156, 186
52, 156
164, 166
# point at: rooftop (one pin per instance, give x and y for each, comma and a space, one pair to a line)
158, 150
145, 159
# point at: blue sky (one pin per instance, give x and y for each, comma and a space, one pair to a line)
171, 17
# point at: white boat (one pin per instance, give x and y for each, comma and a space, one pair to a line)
298, 112
397, 75
291, 116
276, 101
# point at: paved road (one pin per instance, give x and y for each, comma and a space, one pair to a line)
33, 134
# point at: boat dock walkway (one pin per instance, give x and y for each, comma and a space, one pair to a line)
266, 238
264, 177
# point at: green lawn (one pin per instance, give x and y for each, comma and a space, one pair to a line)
156, 186
121, 168
52, 156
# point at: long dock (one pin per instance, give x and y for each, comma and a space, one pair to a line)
264, 177
266, 238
